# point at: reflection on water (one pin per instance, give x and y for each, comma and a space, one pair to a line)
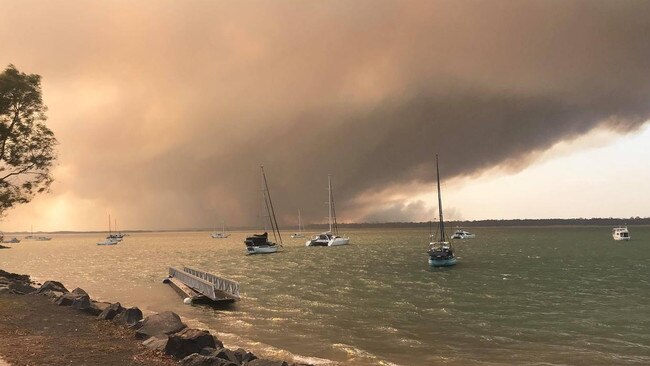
547, 295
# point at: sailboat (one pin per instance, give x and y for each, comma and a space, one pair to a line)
299, 234
109, 240
329, 238
441, 253
260, 243
115, 236
37, 238
222, 234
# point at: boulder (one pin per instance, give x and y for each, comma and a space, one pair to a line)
158, 343
14, 276
130, 317
166, 322
111, 311
196, 359
244, 356
21, 288
68, 298
265, 362
229, 355
188, 341
84, 304
52, 286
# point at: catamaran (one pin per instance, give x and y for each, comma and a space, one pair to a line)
260, 243
441, 252
222, 234
299, 234
329, 238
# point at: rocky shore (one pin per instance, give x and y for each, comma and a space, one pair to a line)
49, 325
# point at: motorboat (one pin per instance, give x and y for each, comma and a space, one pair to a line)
621, 233
462, 234
441, 253
331, 237
260, 243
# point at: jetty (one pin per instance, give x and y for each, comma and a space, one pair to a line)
202, 286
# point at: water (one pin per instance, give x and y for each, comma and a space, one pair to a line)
536, 296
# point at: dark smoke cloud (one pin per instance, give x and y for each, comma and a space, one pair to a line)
165, 110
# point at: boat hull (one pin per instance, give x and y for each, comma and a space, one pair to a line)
338, 241
437, 262
108, 242
261, 249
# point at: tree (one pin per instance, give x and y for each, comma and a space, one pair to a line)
27, 145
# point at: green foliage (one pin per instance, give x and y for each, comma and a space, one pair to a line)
27, 145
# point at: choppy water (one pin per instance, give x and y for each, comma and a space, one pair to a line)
518, 295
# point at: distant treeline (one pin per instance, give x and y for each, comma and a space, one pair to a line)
610, 221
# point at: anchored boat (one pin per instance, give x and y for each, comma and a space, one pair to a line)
441, 253
621, 233
222, 234
299, 234
260, 243
462, 234
329, 238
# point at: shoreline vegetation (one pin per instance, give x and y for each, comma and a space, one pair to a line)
604, 222
45, 324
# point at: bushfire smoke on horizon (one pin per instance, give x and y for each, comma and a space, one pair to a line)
164, 110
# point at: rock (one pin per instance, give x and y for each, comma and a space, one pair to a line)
265, 362
244, 356
111, 311
229, 355
157, 343
188, 341
52, 286
130, 317
84, 304
21, 288
166, 322
68, 298
14, 276
196, 359
79, 292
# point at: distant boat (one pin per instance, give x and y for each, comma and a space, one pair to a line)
110, 240
37, 238
260, 243
222, 234
441, 252
329, 238
8, 241
299, 234
114, 236
621, 233
462, 234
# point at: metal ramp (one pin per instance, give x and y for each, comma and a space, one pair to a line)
195, 284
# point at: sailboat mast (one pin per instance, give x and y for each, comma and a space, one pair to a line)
109, 224
442, 221
274, 221
329, 200
299, 223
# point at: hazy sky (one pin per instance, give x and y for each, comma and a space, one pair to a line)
165, 109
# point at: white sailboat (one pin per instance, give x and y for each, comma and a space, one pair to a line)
114, 236
109, 240
299, 234
260, 243
222, 234
329, 238
441, 253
